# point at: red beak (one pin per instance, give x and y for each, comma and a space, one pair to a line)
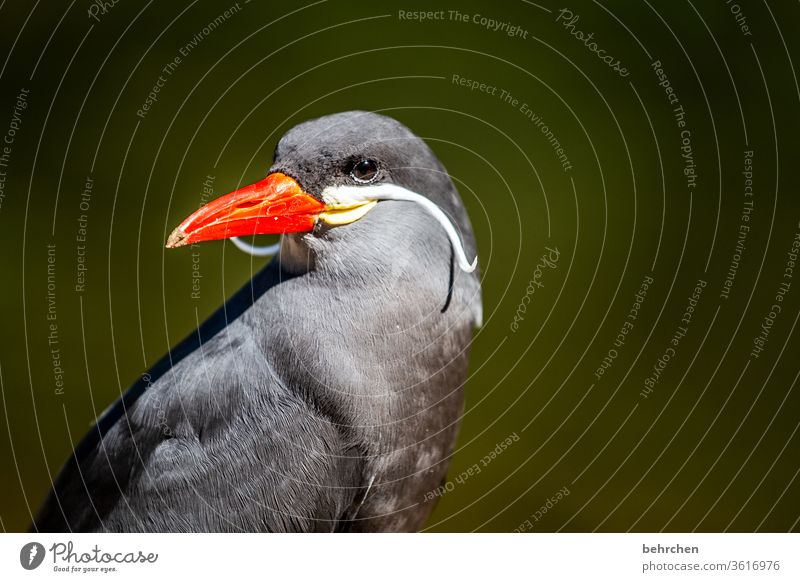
275, 205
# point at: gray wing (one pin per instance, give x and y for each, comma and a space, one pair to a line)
215, 443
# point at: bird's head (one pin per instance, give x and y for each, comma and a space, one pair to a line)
333, 173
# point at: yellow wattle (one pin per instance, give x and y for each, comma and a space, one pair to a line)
336, 217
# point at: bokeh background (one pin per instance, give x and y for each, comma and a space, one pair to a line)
713, 446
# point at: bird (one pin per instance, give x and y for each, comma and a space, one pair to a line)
326, 394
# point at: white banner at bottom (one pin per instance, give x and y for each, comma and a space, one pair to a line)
382, 557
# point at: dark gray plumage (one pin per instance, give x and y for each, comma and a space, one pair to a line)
325, 395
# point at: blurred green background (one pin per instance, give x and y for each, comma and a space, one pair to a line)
713, 446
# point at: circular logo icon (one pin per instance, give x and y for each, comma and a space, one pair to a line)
31, 555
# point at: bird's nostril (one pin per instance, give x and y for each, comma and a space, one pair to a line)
279, 208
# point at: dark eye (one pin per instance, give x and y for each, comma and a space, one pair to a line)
364, 171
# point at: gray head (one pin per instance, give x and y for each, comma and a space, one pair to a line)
350, 191
359, 148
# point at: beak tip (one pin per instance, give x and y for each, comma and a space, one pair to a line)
176, 239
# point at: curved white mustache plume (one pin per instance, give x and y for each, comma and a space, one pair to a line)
265, 251
354, 195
